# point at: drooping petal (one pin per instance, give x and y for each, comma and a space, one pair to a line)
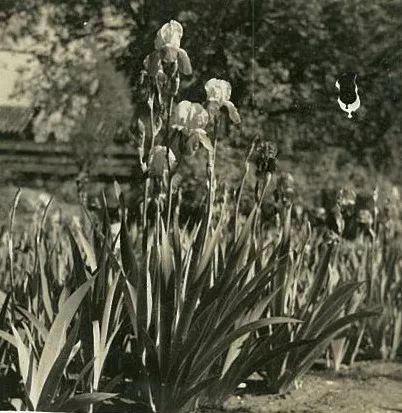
233, 112
169, 34
205, 142
218, 89
184, 62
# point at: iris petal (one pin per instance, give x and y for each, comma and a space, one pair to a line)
184, 62
169, 34
190, 115
218, 90
181, 113
233, 112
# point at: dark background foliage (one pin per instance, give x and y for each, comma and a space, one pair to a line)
283, 59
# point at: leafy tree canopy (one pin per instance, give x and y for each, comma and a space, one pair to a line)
283, 60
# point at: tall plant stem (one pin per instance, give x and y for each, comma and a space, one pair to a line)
267, 181
148, 179
240, 191
211, 173
170, 175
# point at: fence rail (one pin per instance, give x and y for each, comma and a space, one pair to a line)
58, 160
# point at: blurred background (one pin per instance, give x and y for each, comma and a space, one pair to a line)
69, 90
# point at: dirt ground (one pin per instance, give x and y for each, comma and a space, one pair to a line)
370, 387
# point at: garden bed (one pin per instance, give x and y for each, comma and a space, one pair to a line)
367, 388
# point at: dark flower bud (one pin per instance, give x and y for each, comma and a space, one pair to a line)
285, 191
335, 221
266, 156
346, 200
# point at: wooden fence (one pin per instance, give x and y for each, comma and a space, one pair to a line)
57, 160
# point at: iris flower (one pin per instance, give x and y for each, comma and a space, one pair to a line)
167, 44
218, 96
191, 120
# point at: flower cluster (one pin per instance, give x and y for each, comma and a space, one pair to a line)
189, 121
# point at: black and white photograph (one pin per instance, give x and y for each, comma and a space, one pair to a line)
200, 206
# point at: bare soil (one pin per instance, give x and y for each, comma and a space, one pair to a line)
370, 387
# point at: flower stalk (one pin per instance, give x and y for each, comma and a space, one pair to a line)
170, 174
241, 188
150, 103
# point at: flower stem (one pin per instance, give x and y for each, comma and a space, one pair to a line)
170, 175
240, 191
260, 198
148, 180
211, 173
